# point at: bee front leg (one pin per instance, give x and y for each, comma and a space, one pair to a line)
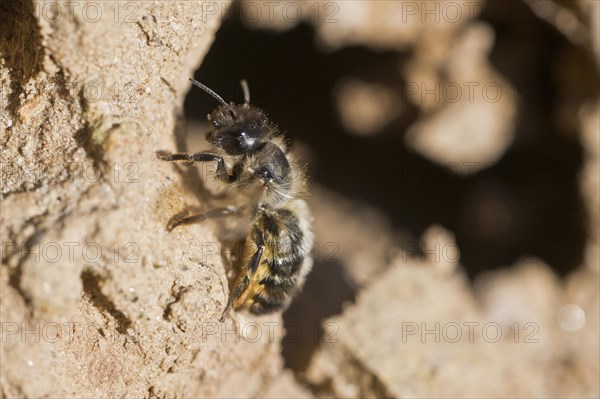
237, 296
221, 171
213, 213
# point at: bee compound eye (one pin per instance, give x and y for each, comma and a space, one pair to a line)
265, 174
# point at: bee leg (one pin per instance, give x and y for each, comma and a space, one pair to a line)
240, 287
243, 283
221, 171
213, 213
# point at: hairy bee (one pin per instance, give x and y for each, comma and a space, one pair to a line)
254, 160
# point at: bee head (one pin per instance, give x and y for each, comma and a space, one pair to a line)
238, 129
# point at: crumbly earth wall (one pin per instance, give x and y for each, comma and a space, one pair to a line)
96, 298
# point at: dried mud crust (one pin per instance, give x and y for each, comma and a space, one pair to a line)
110, 303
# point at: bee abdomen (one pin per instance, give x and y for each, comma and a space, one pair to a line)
269, 302
285, 268
273, 283
277, 291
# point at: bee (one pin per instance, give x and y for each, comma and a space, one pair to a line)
254, 161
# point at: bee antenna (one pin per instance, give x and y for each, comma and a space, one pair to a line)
246, 91
211, 92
